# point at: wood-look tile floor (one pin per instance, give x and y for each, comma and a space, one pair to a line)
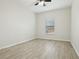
40, 49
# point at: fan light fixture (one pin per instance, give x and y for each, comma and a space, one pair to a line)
42, 2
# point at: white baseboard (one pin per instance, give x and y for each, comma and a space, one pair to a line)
55, 39
7, 46
75, 49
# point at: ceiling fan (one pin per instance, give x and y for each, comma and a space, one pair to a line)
42, 2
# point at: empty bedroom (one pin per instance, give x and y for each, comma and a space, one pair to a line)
39, 29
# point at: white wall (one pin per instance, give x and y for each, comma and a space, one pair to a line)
62, 23
17, 24
75, 25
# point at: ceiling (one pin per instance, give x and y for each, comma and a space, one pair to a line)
55, 4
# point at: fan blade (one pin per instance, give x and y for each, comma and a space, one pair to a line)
44, 4
47, 0
37, 3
